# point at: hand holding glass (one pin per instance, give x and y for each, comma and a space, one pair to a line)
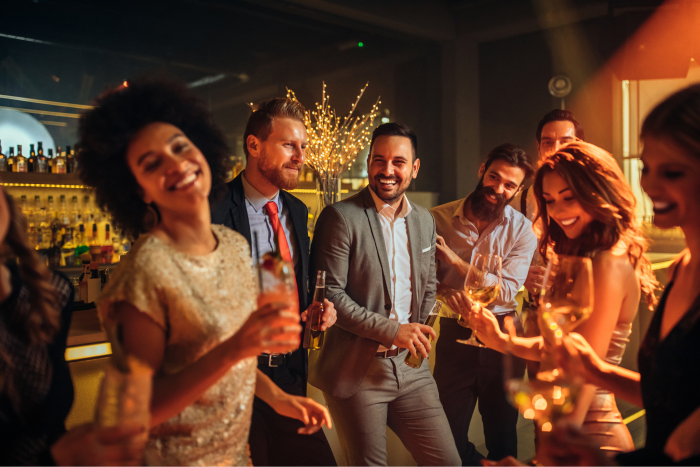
482, 285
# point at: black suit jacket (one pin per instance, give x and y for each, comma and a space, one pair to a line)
231, 212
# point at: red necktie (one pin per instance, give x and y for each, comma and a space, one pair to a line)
271, 207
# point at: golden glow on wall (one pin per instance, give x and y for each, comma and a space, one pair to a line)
83, 352
39, 101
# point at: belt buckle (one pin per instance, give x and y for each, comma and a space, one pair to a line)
269, 360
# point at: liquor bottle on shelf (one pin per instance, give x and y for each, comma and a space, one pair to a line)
3, 161
11, 160
20, 162
74, 212
107, 247
80, 244
87, 210
33, 237
24, 207
32, 159
49, 161
42, 163
69, 159
313, 334
63, 215
44, 231
74, 160
59, 163
95, 245
50, 211
68, 249
54, 251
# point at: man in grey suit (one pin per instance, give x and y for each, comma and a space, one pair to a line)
379, 253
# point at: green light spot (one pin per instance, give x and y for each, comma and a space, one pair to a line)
360, 44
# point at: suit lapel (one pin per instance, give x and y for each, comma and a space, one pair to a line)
415, 242
376, 228
239, 214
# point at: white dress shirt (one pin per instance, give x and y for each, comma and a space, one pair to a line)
259, 221
510, 236
398, 253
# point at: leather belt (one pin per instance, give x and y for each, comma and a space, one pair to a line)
274, 360
388, 353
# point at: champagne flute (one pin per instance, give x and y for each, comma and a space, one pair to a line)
482, 284
566, 300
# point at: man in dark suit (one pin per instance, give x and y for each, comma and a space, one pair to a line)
255, 201
378, 250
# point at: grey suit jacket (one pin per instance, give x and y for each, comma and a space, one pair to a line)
348, 244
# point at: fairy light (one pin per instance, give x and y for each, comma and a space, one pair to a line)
334, 141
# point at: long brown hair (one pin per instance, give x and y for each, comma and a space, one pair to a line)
43, 321
597, 182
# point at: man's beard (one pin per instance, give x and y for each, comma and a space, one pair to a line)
482, 208
277, 176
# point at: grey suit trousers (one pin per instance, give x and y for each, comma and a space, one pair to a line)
405, 399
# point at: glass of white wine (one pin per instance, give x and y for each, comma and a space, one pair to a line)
566, 301
482, 285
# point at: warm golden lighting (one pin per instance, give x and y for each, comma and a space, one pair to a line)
334, 141
546, 426
45, 185
88, 351
529, 414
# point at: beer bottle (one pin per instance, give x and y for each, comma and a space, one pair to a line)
313, 335
412, 361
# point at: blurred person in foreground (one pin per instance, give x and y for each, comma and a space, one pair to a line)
257, 201
668, 382
36, 390
184, 298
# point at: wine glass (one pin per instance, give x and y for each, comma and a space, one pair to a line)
482, 285
566, 300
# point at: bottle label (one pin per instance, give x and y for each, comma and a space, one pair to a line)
60, 167
41, 165
21, 166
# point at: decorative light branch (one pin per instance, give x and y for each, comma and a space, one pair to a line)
334, 142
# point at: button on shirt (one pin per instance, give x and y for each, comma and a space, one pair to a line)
510, 236
259, 221
393, 225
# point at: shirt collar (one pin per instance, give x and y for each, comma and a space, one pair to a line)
256, 199
384, 208
459, 212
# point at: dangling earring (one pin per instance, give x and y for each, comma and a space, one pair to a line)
151, 217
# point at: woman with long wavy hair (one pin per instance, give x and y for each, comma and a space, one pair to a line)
587, 209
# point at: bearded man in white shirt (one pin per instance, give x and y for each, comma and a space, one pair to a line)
481, 223
379, 253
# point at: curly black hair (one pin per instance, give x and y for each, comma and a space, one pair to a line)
106, 131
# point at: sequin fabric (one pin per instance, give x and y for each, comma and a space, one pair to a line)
199, 301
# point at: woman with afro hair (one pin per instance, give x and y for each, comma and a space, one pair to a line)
184, 298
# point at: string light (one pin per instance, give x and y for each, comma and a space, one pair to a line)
334, 142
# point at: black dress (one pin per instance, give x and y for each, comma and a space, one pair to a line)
670, 382
34, 405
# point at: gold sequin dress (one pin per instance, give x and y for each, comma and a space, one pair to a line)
199, 301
